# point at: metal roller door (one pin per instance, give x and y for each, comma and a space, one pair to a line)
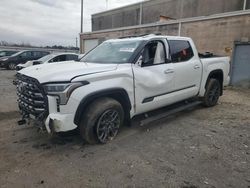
90, 44
240, 72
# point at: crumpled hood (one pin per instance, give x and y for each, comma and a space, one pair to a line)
64, 71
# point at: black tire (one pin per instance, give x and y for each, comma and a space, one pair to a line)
12, 66
101, 121
212, 94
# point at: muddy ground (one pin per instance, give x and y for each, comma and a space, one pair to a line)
201, 147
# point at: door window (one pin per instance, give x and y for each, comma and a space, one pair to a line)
180, 50
2, 53
154, 53
37, 54
58, 58
26, 55
44, 53
71, 57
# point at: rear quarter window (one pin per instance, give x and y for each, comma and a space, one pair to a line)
180, 50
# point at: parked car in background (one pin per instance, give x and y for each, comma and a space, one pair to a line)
21, 57
4, 53
51, 58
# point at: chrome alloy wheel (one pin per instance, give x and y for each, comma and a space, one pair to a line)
108, 125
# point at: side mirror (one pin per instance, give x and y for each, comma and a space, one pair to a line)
140, 61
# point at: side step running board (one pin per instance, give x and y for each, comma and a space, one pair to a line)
168, 113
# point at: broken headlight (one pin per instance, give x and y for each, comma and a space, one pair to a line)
62, 90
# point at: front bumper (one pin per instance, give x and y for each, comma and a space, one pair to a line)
2, 64
60, 117
56, 122
35, 104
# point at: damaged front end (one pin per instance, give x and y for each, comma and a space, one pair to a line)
32, 100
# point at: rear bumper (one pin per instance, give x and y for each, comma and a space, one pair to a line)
227, 81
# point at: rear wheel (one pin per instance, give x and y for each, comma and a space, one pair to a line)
101, 121
213, 92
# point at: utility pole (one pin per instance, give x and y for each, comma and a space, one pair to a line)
81, 16
107, 4
245, 5
140, 21
76, 42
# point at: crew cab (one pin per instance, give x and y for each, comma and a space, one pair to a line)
21, 57
51, 58
116, 81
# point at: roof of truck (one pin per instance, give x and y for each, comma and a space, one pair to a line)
149, 37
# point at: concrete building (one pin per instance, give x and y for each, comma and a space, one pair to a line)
150, 11
218, 26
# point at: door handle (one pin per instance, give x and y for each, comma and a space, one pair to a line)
196, 67
169, 71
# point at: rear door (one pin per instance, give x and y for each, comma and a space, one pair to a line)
187, 67
153, 77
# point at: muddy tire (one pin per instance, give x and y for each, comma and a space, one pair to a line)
101, 121
212, 94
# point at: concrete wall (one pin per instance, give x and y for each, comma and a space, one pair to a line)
151, 10
215, 35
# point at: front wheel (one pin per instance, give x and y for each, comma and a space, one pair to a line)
212, 93
101, 121
12, 66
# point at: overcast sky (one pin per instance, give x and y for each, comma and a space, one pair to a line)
48, 22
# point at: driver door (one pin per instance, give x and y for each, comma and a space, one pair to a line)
153, 77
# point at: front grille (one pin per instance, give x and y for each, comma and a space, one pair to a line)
32, 99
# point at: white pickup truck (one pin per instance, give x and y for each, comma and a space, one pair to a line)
116, 81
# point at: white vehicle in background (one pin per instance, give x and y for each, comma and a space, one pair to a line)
118, 80
51, 58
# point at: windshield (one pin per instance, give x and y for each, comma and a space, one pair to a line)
2, 53
46, 58
112, 52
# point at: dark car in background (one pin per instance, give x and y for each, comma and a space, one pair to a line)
21, 57
4, 53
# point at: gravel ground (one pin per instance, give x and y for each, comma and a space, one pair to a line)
202, 147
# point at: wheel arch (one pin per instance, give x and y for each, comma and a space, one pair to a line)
216, 74
118, 94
